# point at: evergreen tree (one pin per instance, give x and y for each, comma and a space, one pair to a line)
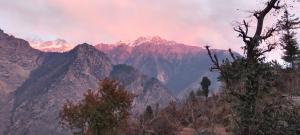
148, 114
205, 83
287, 24
250, 82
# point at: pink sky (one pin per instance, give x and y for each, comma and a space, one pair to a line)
194, 22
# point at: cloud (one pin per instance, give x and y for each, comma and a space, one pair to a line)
195, 22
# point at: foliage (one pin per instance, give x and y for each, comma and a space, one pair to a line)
288, 41
205, 83
192, 96
161, 125
250, 83
101, 112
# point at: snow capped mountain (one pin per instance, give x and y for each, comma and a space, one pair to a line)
155, 40
178, 66
153, 45
58, 45
61, 45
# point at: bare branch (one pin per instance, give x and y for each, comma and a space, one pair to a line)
260, 15
269, 33
231, 54
269, 48
214, 59
243, 32
277, 5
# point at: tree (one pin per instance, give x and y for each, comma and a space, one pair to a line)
288, 41
205, 83
249, 81
192, 96
148, 114
101, 112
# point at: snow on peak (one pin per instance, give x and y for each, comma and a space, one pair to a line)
155, 40
58, 45
149, 40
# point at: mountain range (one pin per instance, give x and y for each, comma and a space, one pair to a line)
178, 66
155, 57
35, 83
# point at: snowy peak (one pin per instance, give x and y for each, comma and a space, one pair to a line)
150, 40
145, 47
155, 44
58, 45
152, 43
155, 40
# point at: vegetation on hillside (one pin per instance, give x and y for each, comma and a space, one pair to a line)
257, 105
257, 98
104, 111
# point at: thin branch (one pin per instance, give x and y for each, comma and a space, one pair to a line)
214, 59
269, 48
260, 15
231, 54
269, 33
243, 32
277, 6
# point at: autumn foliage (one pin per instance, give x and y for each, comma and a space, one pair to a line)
104, 111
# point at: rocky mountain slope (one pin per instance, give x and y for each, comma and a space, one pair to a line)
35, 84
17, 60
180, 67
61, 76
151, 90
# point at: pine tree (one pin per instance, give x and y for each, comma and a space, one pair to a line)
148, 114
205, 83
287, 24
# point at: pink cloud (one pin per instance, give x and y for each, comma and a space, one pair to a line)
195, 22
127, 19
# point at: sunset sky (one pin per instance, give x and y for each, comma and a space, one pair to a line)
194, 22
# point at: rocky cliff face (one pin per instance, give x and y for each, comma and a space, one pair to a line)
17, 60
35, 104
36, 84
